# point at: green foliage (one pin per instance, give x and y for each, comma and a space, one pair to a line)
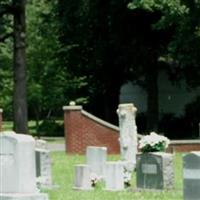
6, 83
183, 48
50, 128
156, 148
50, 86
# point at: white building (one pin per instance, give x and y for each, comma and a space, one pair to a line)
172, 98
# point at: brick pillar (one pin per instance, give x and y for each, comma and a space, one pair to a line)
83, 129
72, 128
1, 118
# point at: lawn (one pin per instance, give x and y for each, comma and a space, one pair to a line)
63, 176
8, 125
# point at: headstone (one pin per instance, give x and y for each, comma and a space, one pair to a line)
17, 164
82, 177
128, 133
114, 176
40, 144
191, 176
96, 159
155, 171
43, 168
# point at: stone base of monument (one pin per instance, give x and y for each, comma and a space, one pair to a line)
18, 196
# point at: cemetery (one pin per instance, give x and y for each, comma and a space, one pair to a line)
141, 169
100, 100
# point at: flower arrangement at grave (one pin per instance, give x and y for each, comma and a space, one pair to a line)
127, 178
95, 179
153, 143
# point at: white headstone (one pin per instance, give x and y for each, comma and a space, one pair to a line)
82, 177
43, 168
96, 159
40, 144
17, 164
191, 176
114, 176
128, 133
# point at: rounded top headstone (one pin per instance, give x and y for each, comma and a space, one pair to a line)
21, 138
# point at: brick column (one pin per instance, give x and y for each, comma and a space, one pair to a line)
1, 118
83, 129
72, 128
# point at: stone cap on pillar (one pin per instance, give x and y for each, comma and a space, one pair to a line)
72, 106
68, 108
1, 110
122, 108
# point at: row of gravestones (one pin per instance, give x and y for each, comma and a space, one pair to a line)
153, 171
98, 168
17, 164
23, 167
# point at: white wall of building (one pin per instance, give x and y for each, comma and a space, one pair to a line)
172, 98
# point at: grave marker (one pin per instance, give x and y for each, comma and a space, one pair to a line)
43, 167
128, 134
155, 171
191, 176
114, 176
17, 164
96, 159
82, 177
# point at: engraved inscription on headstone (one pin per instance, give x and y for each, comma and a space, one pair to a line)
149, 169
154, 171
191, 176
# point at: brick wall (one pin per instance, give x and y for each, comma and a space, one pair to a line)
83, 129
1, 118
184, 146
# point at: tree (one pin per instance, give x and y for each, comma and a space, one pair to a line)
99, 52
180, 19
50, 85
16, 9
20, 93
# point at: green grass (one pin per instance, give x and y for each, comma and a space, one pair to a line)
8, 125
63, 175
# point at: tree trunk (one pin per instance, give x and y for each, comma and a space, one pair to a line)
152, 98
20, 96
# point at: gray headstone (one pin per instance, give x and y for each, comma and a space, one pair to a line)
96, 159
17, 164
43, 168
114, 176
191, 176
155, 171
82, 177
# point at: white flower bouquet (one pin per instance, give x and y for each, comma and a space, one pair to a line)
153, 143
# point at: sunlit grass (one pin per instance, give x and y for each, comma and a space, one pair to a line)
63, 176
